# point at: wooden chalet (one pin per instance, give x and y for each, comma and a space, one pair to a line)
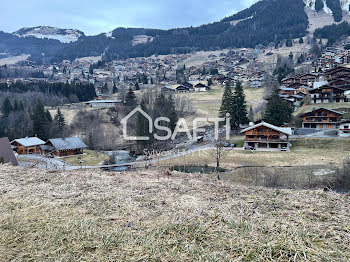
328, 94
168, 90
27, 145
322, 118
6, 152
188, 85
201, 87
338, 72
64, 146
267, 136
307, 79
182, 89
283, 90
290, 81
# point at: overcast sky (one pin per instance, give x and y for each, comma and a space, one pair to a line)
99, 16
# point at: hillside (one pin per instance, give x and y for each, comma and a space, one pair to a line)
42, 32
148, 216
264, 22
267, 22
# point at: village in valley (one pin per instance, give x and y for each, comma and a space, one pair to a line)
315, 89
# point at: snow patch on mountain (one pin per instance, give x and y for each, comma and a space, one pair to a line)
345, 4
311, 4
42, 32
109, 35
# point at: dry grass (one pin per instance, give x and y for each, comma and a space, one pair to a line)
145, 216
89, 158
207, 104
305, 152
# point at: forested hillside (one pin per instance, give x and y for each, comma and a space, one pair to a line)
333, 32
265, 22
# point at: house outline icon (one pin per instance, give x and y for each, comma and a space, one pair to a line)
124, 122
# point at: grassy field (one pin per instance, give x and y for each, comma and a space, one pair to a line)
148, 216
89, 158
207, 104
305, 152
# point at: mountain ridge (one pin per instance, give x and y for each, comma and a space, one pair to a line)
54, 33
265, 22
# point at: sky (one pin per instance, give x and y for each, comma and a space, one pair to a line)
101, 16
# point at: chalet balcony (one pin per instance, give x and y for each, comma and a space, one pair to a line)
320, 120
255, 139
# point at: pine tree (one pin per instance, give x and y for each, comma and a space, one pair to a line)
115, 89
6, 107
130, 99
301, 40
172, 113
227, 102
277, 111
15, 106
210, 82
41, 122
137, 86
59, 119
251, 114
104, 89
142, 125
239, 114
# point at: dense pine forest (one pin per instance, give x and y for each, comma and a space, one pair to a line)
78, 92
333, 32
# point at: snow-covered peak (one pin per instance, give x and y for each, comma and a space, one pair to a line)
62, 35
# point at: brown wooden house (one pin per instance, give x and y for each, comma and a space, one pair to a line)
336, 73
27, 145
322, 118
328, 94
64, 146
267, 136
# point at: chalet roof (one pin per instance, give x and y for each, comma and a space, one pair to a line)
200, 85
29, 141
318, 84
322, 108
67, 143
326, 86
187, 84
284, 130
284, 88
339, 68
103, 101
6, 152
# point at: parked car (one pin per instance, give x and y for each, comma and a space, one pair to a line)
227, 144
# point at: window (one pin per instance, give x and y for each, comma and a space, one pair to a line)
346, 127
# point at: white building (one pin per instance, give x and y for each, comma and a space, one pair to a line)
344, 129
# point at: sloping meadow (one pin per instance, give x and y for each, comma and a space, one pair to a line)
158, 216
